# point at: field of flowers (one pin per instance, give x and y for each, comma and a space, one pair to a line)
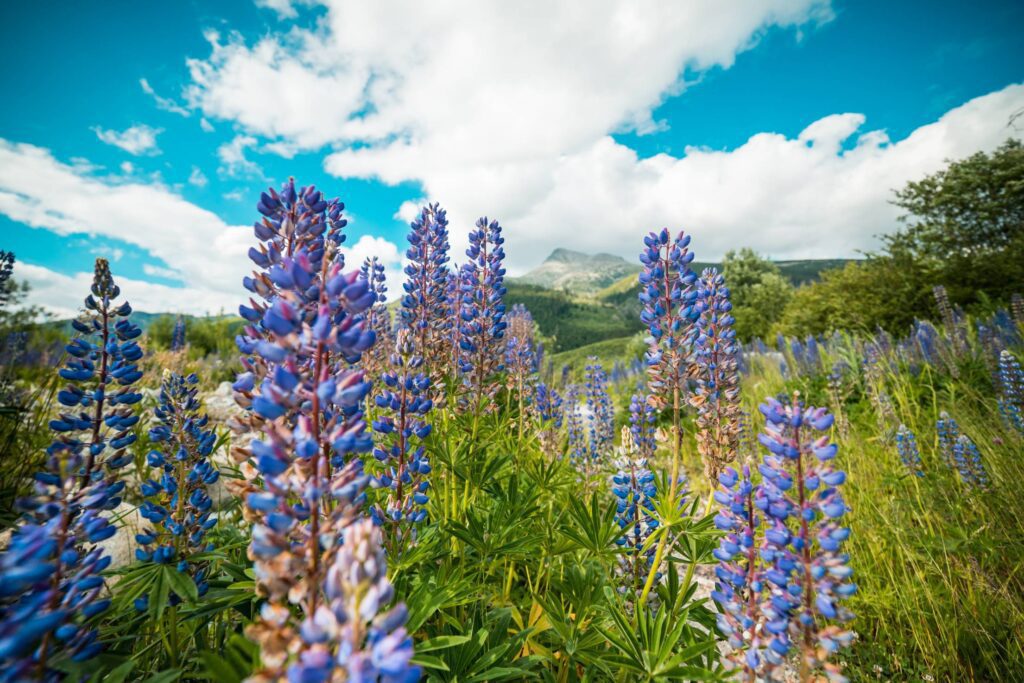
423, 495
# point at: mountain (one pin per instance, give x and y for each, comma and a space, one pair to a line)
577, 272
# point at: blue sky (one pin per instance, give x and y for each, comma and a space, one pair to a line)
116, 144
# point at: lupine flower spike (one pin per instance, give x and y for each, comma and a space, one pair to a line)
50, 573
425, 303
948, 432
643, 419
715, 371
635, 491
906, 448
177, 504
521, 360
378, 319
969, 464
547, 407
600, 418
740, 577
178, 334
668, 299
302, 485
482, 318
1011, 398
404, 402
807, 573
352, 638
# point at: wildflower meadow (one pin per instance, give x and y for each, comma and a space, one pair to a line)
697, 463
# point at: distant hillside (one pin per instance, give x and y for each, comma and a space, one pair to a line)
578, 273
602, 274
569, 321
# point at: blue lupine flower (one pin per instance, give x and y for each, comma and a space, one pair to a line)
740, 586
600, 416
178, 334
643, 418
668, 299
354, 630
50, 575
404, 402
806, 572
717, 393
178, 505
635, 490
906, 447
306, 396
1011, 398
547, 406
578, 444
948, 432
482, 317
425, 302
521, 354
967, 460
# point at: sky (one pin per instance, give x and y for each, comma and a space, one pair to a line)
144, 131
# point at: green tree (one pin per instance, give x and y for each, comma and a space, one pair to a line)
759, 292
964, 226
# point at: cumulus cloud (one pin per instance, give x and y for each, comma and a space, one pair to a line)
233, 160
135, 140
209, 255
62, 294
197, 177
202, 252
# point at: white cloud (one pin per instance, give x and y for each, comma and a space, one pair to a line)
456, 83
209, 255
232, 157
386, 252
524, 135
127, 167
164, 103
140, 139
284, 8
197, 177
63, 294
205, 125
159, 271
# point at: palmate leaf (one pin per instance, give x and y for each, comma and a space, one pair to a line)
591, 529
656, 645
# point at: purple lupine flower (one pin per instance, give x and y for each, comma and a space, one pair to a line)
547, 406
375, 360
741, 583
51, 572
404, 402
668, 297
643, 418
1011, 398
482, 317
178, 334
578, 443
354, 631
837, 394
635, 491
600, 416
425, 303
906, 448
521, 361
948, 432
807, 574
714, 369
177, 505
969, 464
303, 392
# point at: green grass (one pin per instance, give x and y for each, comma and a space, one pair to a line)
940, 567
